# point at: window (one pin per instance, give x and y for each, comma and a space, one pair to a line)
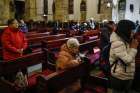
71, 6
122, 5
45, 6
83, 6
53, 7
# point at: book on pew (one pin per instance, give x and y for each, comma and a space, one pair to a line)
34, 69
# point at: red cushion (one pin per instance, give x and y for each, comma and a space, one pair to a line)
32, 79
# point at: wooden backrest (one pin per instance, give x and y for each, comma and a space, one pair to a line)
57, 43
55, 37
11, 67
54, 43
89, 45
32, 35
1, 57
57, 81
36, 41
91, 33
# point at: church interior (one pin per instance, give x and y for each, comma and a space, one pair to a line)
61, 46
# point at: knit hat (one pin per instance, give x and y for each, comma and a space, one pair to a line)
72, 43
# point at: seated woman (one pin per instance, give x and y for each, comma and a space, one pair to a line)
67, 58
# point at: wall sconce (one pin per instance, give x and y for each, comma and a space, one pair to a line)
108, 3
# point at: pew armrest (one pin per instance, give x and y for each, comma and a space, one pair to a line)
6, 82
6, 86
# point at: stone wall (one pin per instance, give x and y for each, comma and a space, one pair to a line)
61, 10
6, 11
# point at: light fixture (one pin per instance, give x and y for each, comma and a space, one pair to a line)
108, 5
44, 15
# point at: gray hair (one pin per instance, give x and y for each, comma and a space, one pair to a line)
73, 43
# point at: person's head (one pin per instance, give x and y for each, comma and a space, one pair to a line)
137, 21
125, 30
111, 25
73, 45
91, 19
13, 23
21, 21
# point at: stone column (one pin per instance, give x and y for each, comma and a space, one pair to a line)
30, 9
61, 10
6, 11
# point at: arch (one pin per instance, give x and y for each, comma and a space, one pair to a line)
19, 8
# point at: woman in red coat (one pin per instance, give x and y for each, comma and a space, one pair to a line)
13, 41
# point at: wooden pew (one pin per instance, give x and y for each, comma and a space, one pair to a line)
1, 57
91, 35
136, 80
36, 41
88, 46
32, 35
51, 49
51, 83
57, 42
9, 69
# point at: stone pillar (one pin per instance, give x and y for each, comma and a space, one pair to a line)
61, 10
6, 10
30, 9
115, 11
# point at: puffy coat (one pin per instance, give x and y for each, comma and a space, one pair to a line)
123, 51
12, 39
66, 59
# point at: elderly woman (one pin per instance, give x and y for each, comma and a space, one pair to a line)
67, 58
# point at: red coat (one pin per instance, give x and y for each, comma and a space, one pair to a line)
12, 40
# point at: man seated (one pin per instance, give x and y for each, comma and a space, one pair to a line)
68, 58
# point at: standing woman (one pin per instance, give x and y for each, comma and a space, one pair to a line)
122, 57
13, 41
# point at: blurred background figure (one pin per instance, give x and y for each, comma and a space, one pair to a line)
91, 23
137, 27
22, 26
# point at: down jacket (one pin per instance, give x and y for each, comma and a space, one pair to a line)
123, 51
12, 40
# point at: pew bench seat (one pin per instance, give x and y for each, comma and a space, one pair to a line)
32, 79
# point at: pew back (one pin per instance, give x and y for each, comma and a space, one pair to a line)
10, 68
51, 83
